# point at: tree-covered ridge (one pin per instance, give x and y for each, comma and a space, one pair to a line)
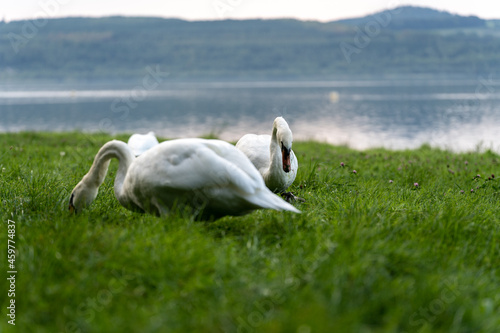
118, 47
419, 18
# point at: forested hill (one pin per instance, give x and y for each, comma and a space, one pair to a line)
406, 40
419, 18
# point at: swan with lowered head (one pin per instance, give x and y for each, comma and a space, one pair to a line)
272, 155
139, 143
211, 177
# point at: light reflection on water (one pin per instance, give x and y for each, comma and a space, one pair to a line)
456, 115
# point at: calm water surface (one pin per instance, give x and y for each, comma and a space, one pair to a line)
453, 114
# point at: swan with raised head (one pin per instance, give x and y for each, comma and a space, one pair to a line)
211, 177
139, 143
272, 155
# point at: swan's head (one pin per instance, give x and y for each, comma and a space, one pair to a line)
81, 197
285, 140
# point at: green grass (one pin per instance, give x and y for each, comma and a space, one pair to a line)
366, 255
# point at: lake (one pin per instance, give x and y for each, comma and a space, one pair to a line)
455, 114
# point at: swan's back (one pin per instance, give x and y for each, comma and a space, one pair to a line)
140, 143
256, 148
197, 172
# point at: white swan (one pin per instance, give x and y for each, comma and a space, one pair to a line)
210, 176
272, 155
139, 143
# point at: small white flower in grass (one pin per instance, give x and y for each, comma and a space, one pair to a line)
391, 181
63, 153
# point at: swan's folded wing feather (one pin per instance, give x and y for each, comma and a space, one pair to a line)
260, 195
185, 168
256, 148
204, 164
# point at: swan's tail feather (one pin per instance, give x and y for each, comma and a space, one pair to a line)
267, 199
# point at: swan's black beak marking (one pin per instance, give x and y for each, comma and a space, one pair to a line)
72, 208
285, 155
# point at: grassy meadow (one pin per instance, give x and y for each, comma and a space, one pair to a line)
371, 252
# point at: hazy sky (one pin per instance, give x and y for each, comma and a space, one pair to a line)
322, 10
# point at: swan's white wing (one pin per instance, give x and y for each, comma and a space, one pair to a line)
139, 143
250, 182
195, 169
196, 163
256, 148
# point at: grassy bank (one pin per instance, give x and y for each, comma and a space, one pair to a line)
372, 252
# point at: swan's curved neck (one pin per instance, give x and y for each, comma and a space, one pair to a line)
97, 173
275, 150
